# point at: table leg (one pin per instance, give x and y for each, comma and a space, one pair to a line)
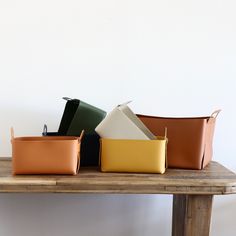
191, 215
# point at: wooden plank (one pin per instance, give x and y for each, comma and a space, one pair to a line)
214, 179
191, 215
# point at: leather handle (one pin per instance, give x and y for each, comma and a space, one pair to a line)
165, 132
81, 135
166, 161
45, 130
124, 104
67, 99
79, 145
12, 133
215, 113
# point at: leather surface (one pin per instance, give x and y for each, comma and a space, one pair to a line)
45, 155
79, 116
122, 123
141, 156
68, 115
89, 152
190, 139
86, 118
90, 146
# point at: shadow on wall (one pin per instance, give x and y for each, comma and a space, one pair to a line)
106, 215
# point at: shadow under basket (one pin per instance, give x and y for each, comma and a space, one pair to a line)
137, 156
46, 155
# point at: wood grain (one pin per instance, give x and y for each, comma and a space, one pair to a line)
214, 179
191, 215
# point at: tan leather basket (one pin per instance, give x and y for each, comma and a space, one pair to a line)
190, 139
45, 155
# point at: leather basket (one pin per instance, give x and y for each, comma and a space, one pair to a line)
190, 139
45, 155
78, 116
138, 156
122, 123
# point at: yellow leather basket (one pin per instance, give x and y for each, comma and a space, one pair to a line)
140, 156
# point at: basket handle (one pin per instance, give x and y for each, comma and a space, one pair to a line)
79, 145
12, 133
215, 113
81, 135
67, 99
125, 103
45, 130
166, 161
165, 132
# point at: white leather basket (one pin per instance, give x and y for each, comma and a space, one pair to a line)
122, 123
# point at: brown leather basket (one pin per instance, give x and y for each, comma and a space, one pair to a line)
45, 155
190, 139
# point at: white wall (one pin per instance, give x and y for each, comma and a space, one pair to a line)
169, 57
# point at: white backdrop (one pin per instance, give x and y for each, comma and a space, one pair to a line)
172, 58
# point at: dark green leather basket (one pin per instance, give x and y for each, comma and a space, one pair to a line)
78, 116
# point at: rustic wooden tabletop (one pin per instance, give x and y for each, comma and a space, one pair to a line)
215, 179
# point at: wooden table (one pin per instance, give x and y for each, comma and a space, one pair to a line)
192, 190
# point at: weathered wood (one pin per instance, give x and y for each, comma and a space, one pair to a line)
214, 179
191, 215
